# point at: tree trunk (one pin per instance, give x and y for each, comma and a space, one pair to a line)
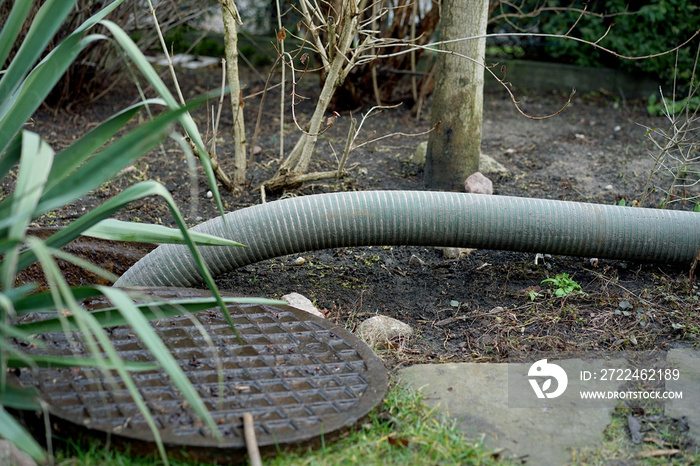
238, 130
454, 147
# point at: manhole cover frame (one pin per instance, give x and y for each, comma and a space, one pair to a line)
312, 342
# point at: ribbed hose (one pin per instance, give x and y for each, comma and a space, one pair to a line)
420, 218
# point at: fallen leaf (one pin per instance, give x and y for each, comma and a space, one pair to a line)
395, 441
656, 453
657, 441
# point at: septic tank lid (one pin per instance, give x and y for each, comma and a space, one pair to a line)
301, 377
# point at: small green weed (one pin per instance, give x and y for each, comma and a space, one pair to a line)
563, 285
656, 107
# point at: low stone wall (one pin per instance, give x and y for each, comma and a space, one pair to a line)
525, 74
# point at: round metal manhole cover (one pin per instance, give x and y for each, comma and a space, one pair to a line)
301, 377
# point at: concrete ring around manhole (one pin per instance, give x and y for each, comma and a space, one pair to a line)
301, 377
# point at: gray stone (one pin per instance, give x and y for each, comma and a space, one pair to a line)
488, 164
383, 331
303, 303
688, 363
477, 183
415, 261
11, 455
455, 253
418, 156
489, 400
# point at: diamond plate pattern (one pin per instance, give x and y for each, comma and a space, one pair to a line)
300, 377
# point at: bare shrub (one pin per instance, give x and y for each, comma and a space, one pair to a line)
97, 66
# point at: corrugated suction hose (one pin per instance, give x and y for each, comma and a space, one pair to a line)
425, 218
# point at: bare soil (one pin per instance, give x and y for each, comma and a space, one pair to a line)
476, 308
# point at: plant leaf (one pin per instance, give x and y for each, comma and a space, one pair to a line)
118, 230
40, 360
104, 165
13, 24
20, 97
9, 159
35, 163
71, 157
47, 21
149, 337
13, 431
19, 398
186, 120
110, 317
43, 301
95, 341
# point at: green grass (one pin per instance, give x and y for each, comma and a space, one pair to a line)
402, 431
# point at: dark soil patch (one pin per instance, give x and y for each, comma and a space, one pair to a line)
479, 307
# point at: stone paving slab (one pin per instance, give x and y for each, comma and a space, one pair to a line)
689, 384
499, 401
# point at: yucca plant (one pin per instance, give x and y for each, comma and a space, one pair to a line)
46, 181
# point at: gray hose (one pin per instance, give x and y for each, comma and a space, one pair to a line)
423, 218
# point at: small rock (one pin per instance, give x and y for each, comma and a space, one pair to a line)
608, 187
488, 164
384, 332
635, 426
10, 454
478, 184
302, 303
455, 253
299, 261
127, 171
415, 261
418, 156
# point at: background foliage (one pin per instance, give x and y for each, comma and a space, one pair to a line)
654, 27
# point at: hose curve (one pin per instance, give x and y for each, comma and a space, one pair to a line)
425, 218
